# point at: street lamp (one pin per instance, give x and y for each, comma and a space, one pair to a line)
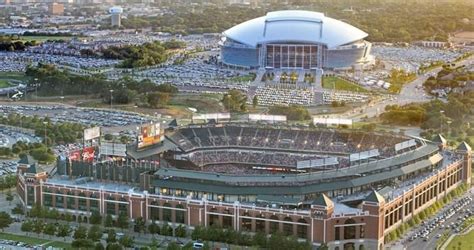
441, 122
449, 125
45, 135
36, 89
111, 97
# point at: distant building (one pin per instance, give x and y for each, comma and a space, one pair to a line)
56, 9
433, 44
116, 16
294, 40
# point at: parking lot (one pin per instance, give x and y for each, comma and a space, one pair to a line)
11, 135
86, 116
8, 167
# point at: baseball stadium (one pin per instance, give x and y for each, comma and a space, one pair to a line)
294, 39
344, 188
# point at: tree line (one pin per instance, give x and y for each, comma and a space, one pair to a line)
89, 236
448, 79
384, 22
8, 43
54, 82
56, 133
450, 118
135, 56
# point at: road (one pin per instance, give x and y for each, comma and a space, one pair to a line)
403, 243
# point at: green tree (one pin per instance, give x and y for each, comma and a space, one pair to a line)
122, 221
38, 226
50, 229
111, 236
166, 230
5, 220
94, 233
9, 197
139, 225
235, 101
18, 209
153, 228
259, 239
114, 246
82, 244
96, 218
173, 246
99, 246
180, 231
80, 233
109, 222
27, 226
63, 230
158, 99
126, 241
255, 101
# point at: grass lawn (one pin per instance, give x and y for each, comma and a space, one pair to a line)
244, 78
466, 242
33, 240
45, 38
4, 84
333, 82
13, 76
204, 103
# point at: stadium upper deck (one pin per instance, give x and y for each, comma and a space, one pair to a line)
248, 161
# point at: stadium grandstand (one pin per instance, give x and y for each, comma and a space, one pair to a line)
343, 188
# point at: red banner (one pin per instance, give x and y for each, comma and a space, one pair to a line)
88, 154
75, 155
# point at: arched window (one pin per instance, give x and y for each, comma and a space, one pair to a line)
180, 214
246, 223
302, 230
154, 211
227, 220
93, 202
167, 212
349, 231
288, 227
260, 223
349, 246
361, 247
274, 225
71, 201
123, 205
213, 219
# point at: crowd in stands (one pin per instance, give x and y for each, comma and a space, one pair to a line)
323, 140
259, 146
277, 159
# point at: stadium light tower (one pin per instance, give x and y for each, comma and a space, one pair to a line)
116, 15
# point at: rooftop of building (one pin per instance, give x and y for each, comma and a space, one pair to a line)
88, 183
295, 26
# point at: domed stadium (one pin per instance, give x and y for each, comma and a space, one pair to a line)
294, 39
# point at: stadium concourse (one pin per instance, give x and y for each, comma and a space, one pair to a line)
343, 188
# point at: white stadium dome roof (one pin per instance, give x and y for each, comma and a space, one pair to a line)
116, 10
295, 26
